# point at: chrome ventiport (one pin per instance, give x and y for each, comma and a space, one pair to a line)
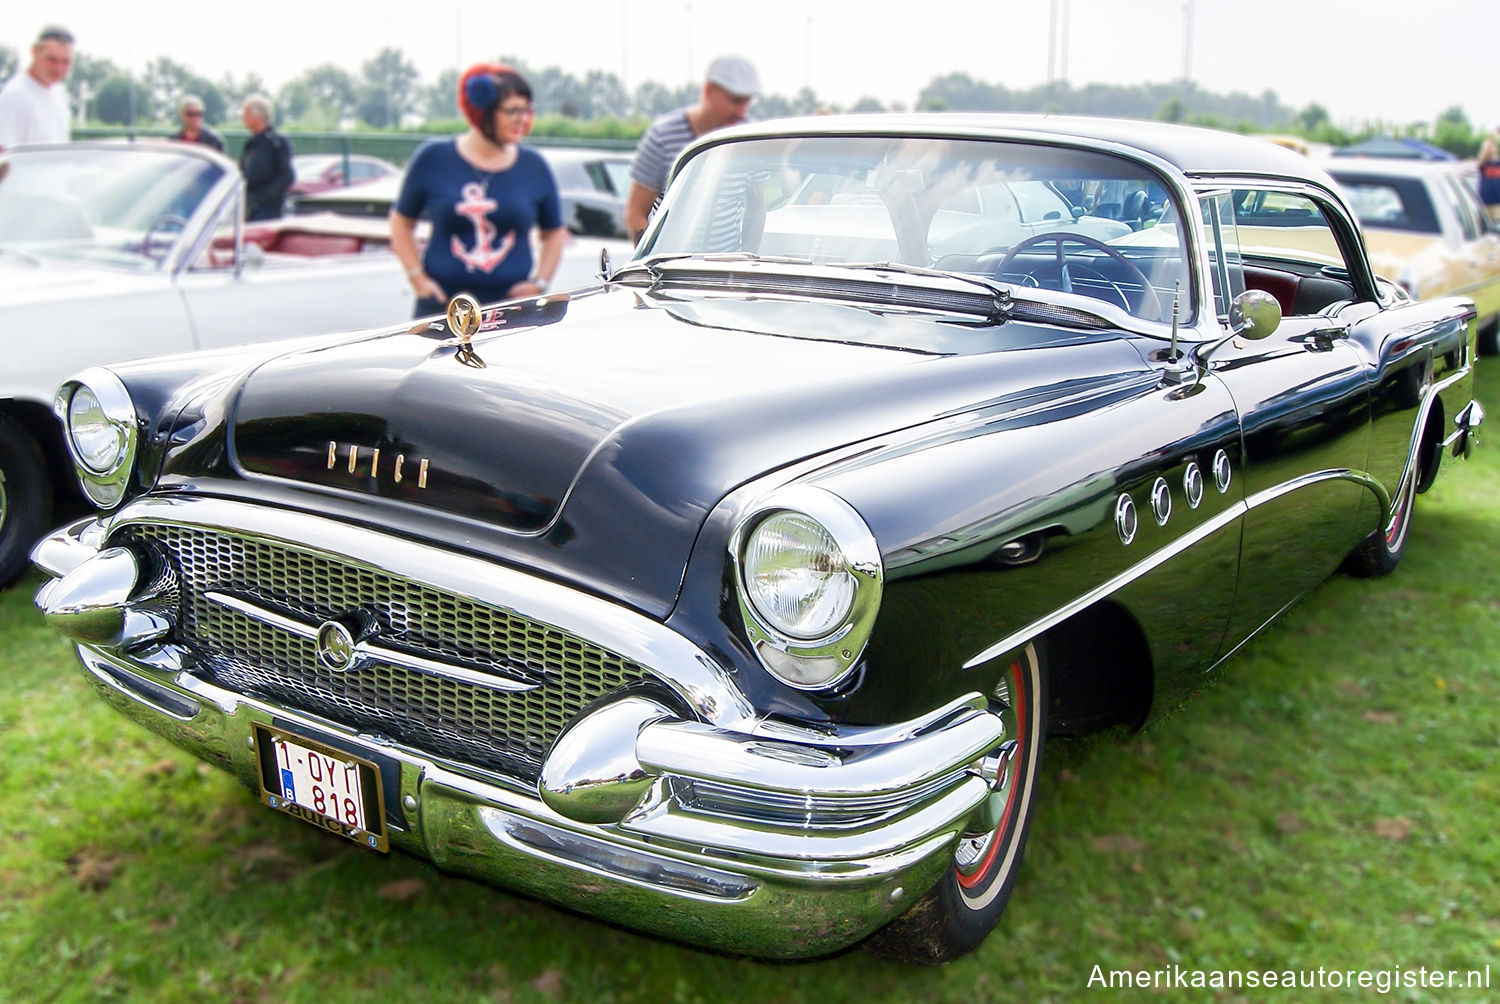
1192, 485
119, 598
1221, 471
1125, 518
1161, 501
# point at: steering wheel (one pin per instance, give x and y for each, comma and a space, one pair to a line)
164, 223
1065, 268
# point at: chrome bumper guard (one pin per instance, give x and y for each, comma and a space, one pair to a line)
763, 837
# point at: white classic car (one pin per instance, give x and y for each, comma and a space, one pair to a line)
1426, 229
115, 251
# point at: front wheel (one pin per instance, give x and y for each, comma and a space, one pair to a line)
966, 903
25, 499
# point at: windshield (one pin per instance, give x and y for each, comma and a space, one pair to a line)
1030, 215
125, 207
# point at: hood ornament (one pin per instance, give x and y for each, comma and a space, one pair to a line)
464, 316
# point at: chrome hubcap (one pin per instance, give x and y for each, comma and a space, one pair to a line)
999, 769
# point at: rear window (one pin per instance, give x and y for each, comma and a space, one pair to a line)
1390, 203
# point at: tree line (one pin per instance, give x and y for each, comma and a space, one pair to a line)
389, 92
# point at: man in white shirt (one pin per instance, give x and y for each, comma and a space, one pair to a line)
34, 103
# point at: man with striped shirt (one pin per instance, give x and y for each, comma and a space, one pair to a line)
729, 86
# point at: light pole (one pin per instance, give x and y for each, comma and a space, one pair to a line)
1187, 43
1052, 44
807, 56
1067, 16
688, 20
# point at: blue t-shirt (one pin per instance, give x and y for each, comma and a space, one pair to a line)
481, 220
1489, 182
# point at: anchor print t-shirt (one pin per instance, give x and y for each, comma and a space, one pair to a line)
481, 221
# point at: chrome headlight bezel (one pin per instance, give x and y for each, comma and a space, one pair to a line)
104, 483
822, 662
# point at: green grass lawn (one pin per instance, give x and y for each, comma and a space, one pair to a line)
1332, 801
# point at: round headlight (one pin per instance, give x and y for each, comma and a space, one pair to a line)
97, 442
102, 429
797, 576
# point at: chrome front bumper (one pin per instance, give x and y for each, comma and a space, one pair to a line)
763, 837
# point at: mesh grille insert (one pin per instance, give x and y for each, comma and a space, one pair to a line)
453, 720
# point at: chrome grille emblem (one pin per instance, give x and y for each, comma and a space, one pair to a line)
335, 646
341, 642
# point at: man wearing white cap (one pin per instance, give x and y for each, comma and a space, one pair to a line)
729, 86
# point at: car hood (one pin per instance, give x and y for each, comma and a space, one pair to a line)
596, 447
22, 281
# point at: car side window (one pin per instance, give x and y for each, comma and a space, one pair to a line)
1466, 207
1377, 204
218, 252
1289, 249
1226, 270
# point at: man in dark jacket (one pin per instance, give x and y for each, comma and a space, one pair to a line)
266, 162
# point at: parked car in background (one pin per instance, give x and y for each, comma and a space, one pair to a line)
322, 172
592, 185
1427, 229
733, 600
114, 251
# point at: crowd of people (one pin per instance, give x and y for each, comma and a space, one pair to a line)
484, 193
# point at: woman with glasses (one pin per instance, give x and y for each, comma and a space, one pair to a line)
190, 111
484, 193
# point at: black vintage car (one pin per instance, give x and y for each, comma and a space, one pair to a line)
733, 599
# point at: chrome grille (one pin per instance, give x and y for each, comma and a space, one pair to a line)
451, 719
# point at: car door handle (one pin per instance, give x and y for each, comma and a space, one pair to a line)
1322, 339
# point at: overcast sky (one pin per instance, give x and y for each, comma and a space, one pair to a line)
1389, 60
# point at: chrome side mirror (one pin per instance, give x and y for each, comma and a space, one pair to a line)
1254, 314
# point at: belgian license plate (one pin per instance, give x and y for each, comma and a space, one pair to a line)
329, 788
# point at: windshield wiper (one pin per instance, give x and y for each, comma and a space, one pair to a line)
650, 265
1000, 292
